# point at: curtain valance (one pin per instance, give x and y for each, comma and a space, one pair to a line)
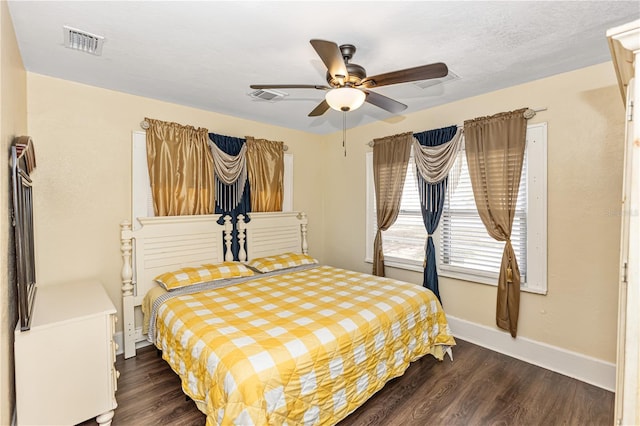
435, 162
230, 172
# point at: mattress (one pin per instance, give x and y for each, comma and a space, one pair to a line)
300, 347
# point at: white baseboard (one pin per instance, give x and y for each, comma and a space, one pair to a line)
140, 343
578, 366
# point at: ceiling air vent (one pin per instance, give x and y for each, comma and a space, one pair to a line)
82, 40
268, 95
432, 82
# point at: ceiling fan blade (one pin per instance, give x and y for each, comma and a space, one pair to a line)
332, 58
384, 102
320, 109
289, 86
423, 72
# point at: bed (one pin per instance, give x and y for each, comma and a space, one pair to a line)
298, 343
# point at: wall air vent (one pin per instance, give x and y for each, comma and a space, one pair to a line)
83, 41
432, 82
268, 95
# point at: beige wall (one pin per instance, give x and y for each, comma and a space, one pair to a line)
585, 150
83, 140
13, 122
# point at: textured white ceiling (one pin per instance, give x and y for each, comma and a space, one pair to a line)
205, 54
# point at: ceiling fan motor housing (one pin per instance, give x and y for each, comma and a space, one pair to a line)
356, 72
356, 75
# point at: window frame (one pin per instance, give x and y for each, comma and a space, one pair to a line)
536, 222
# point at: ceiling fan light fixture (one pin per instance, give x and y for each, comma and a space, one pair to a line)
345, 98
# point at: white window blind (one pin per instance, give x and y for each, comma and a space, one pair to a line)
465, 245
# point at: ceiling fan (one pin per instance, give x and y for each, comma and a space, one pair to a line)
349, 87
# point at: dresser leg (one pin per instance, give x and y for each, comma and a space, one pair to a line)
105, 419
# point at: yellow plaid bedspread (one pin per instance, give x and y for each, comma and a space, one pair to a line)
304, 347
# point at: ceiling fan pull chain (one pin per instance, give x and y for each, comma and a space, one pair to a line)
344, 132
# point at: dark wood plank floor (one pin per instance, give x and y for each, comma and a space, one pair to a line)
480, 387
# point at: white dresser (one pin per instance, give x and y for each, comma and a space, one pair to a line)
65, 371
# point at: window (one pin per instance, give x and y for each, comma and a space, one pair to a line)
464, 249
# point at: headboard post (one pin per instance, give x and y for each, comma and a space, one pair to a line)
228, 229
242, 226
126, 238
125, 247
302, 216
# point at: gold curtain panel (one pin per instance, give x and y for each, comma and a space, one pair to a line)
265, 163
390, 159
495, 151
180, 169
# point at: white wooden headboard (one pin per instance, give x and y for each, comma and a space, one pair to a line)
273, 233
168, 243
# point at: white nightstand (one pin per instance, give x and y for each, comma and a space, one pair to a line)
65, 371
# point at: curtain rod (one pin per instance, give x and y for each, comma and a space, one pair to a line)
144, 124
528, 114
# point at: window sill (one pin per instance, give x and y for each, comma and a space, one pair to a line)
443, 272
483, 279
407, 265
